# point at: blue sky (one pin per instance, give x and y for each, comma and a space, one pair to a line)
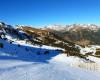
46, 12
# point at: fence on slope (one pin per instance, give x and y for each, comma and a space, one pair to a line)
87, 66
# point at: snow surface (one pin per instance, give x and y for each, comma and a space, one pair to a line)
91, 49
87, 50
68, 60
95, 59
53, 70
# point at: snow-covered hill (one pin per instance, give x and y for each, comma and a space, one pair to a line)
21, 60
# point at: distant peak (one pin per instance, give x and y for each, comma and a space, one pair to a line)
73, 27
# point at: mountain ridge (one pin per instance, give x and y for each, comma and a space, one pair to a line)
78, 33
65, 40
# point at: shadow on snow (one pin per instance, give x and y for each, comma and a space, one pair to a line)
26, 53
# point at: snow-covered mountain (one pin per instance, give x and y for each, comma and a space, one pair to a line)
73, 27
56, 27
82, 34
28, 53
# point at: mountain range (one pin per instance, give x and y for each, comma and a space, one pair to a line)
82, 34
71, 38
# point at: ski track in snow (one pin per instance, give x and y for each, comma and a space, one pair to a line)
46, 71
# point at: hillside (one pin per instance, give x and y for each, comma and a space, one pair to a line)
82, 34
45, 37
